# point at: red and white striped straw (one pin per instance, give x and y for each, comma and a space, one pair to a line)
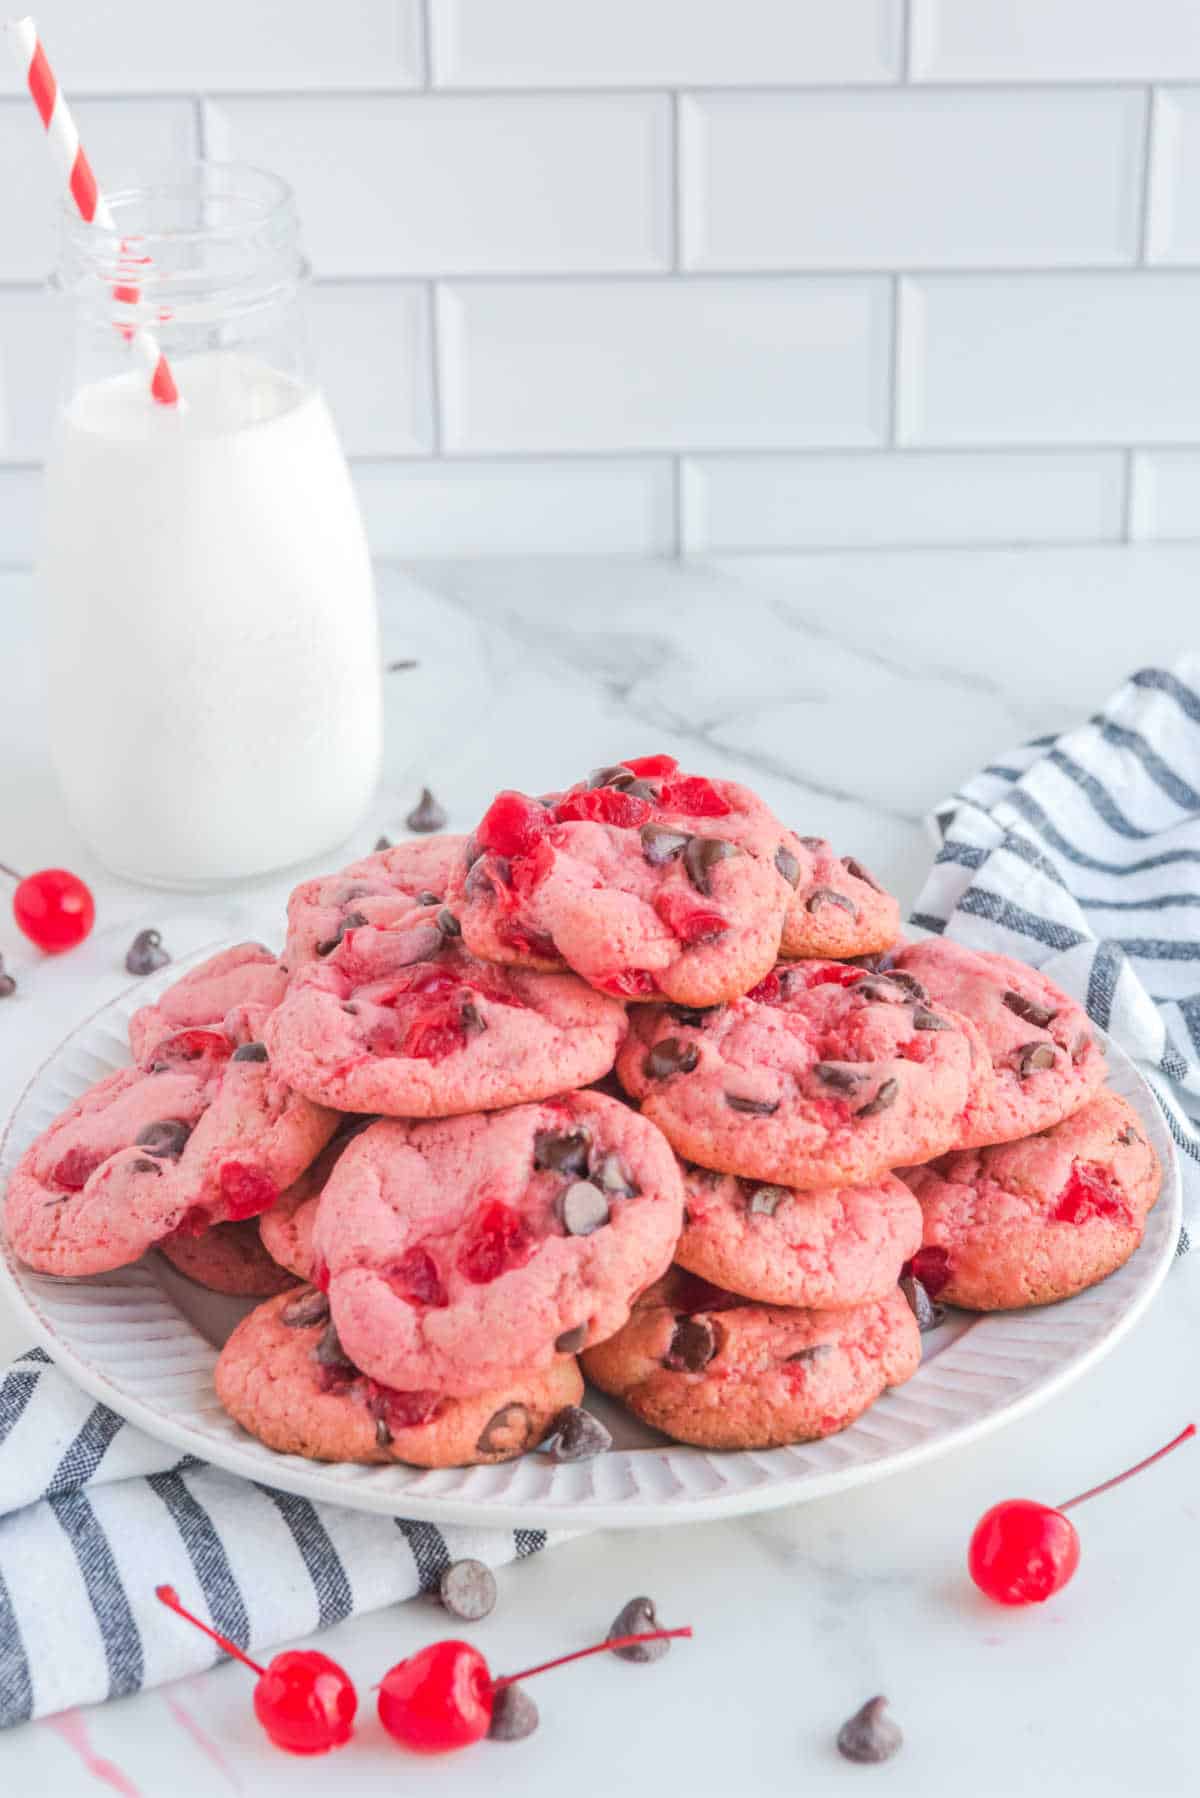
68, 152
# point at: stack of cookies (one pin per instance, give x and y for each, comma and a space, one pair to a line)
406, 1136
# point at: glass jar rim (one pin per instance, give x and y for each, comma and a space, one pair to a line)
265, 196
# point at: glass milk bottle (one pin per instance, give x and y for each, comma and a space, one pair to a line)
215, 692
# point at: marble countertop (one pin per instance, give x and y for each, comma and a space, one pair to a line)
854, 691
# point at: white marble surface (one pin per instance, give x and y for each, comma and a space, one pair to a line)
853, 690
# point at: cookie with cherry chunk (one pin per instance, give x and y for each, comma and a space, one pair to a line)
645, 880
285, 1377
1025, 1223
718, 1371
405, 1022
373, 893
229, 1258
456, 1251
1045, 1061
838, 908
233, 991
824, 1075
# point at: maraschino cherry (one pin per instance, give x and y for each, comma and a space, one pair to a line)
1023, 1552
304, 1701
442, 1697
53, 907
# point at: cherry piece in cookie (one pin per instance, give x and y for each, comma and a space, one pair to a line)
53, 908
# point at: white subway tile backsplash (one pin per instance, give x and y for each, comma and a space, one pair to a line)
1055, 40
125, 139
736, 503
590, 506
1173, 231
1035, 359
373, 356
140, 45
33, 347
904, 179
1166, 495
661, 364
596, 43
463, 183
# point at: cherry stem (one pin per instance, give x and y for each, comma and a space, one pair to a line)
169, 1596
581, 1654
1120, 1478
11, 872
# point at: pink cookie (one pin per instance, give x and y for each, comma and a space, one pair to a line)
824, 1075
229, 1258
457, 1251
406, 1023
644, 880
1024, 1223
378, 891
833, 1247
1046, 1062
287, 1228
236, 988
838, 908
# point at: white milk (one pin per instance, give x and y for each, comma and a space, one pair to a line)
214, 656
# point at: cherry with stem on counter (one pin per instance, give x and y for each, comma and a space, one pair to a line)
1023, 1552
53, 907
304, 1701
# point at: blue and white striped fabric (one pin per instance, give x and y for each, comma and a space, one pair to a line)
94, 1515
1080, 853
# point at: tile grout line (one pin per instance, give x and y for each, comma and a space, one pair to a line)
1146, 196
426, 18
1129, 496
906, 43
399, 89
679, 503
894, 368
676, 185
435, 370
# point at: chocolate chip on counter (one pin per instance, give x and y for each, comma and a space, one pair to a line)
577, 1436
381, 843
1040, 1016
447, 923
787, 864
637, 1618
927, 1314
563, 1152
660, 846
766, 1200
426, 815
670, 1057
166, 1136
887, 1095
694, 1016
870, 1735
826, 896
571, 1341
251, 1052
583, 1208
752, 1108
693, 1345
841, 1078
305, 1309
467, 1590
856, 869
507, 1432
146, 953
924, 1019
471, 1018
353, 920
8, 985
613, 1176
514, 1715
701, 857
329, 1351
1032, 1058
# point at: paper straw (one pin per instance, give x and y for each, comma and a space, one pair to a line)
68, 152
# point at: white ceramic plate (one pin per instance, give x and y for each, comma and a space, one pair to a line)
144, 1340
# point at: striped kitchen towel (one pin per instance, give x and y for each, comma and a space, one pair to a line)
94, 1514
1080, 853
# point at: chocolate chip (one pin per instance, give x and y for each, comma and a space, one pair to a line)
571, 1341
485, 876
910, 983
426, 815
305, 1309
1033, 1057
841, 1078
875, 964
694, 1016
146, 953
693, 1345
583, 1208
1040, 1016
670, 1057
8, 985
382, 843
856, 869
427, 898
471, 853
870, 1734
813, 843
329, 1351
166, 1136
752, 1108
1127, 1135
614, 1177
561, 1151
514, 1715
144, 1166
251, 1052
383, 1436
924, 1019
927, 1314
506, 1433
578, 1436
766, 1200
701, 857
660, 846
637, 1618
816, 1351
467, 1590
884, 989
787, 864
405, 663
826, 896
349, 1007
887, 1095
447, 923
353, 920
609, 777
